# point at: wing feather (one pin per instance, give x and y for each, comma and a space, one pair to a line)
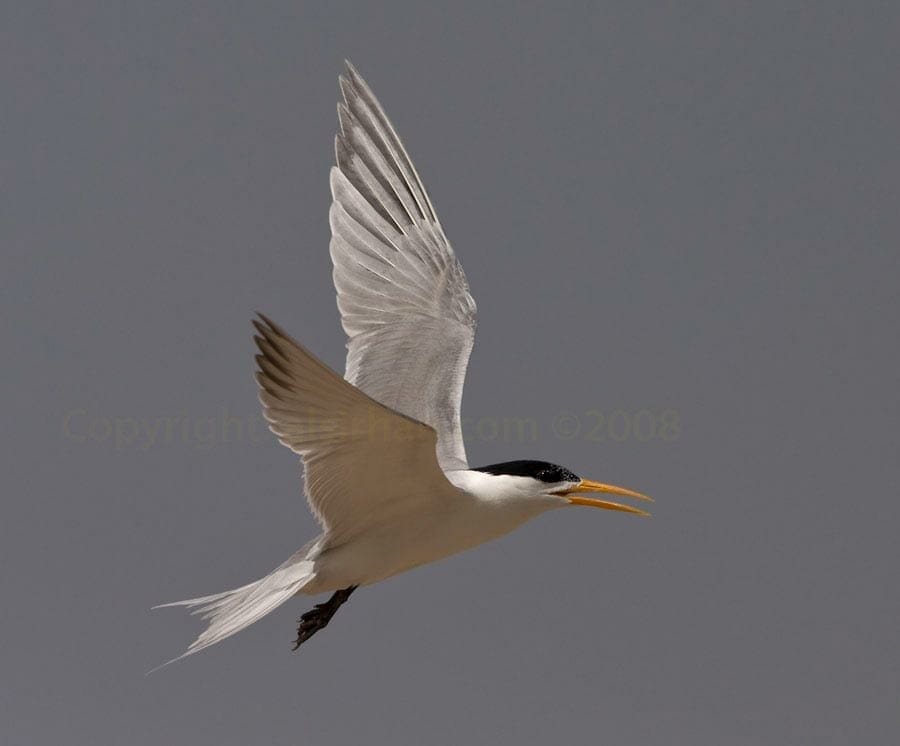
364, 463
403, 296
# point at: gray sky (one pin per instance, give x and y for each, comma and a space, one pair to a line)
680, 224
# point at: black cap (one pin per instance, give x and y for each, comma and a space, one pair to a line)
542, 470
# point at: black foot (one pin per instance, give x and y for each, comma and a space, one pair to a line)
318, 618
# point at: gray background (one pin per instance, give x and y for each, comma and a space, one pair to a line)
664, 206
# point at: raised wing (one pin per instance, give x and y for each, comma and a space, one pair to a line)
363, 462
403, 296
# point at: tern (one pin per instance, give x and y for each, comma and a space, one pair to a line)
385, 469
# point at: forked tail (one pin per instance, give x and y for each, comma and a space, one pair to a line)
231, 611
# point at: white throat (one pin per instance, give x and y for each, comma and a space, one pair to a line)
504, 491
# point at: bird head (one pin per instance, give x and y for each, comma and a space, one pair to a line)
542, 479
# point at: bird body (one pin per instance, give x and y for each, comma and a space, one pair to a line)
476, 508
385, 467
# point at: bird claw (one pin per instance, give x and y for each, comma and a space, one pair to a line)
318, 617
310, 623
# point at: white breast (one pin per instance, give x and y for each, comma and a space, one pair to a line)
484, 507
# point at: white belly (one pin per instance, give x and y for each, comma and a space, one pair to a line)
416, 540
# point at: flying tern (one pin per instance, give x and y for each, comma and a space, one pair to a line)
385, 468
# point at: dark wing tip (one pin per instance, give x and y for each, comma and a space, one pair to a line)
265, 319
269, 329
271, 337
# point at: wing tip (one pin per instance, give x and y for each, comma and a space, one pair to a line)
265, 319
350, 82
271, 340
350, 73
271, 331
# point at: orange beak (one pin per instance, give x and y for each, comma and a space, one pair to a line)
588, 486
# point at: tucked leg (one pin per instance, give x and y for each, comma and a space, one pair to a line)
318, 618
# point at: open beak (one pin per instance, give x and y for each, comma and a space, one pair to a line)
573, 496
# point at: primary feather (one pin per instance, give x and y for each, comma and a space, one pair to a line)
375, 447
404, 299
363, 462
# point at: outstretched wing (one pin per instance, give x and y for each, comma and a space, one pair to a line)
364, 463
403, 296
